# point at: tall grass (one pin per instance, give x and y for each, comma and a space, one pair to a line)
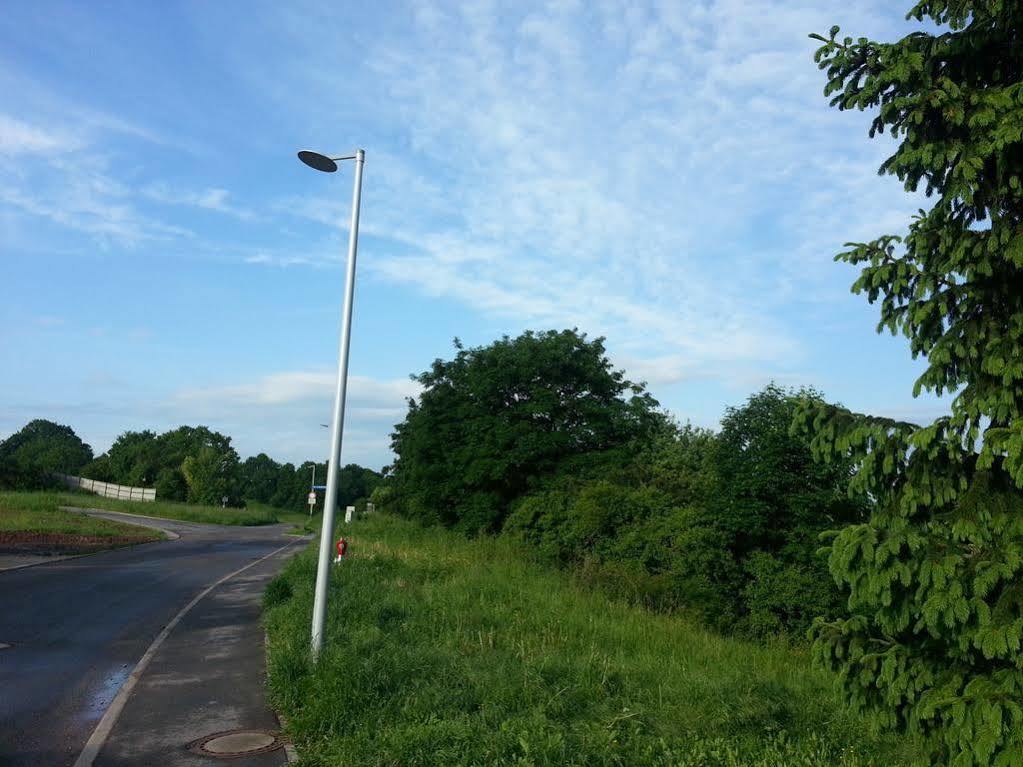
166, 510
442, 651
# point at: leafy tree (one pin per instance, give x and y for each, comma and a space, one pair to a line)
145, 459
356, 483
290, 482
771, 502
133, 459
934, 644
680, 461
259, 477
495, 418
723, 526
207, 473
771, 495
39, 449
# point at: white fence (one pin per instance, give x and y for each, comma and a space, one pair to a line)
109, 489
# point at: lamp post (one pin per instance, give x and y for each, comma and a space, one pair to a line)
329, 165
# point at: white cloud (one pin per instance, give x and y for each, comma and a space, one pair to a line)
71, 183
280, 413
207, 199
300, 385
17, 137
665, 174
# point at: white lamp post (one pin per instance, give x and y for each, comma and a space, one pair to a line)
329, 165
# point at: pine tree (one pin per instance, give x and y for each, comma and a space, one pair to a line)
932, 644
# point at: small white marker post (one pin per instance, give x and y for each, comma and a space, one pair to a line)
349, 510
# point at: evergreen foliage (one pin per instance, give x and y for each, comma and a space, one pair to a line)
934, 642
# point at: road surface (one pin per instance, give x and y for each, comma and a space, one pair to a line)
72, 631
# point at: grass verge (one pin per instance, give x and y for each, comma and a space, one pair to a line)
442, 651
302, 524
181, 511
34, 523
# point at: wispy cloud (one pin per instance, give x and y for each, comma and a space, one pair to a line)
300, 385
280, 413
70, 183
17, 137
207, 199
666, 175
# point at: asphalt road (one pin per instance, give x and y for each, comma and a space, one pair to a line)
77, 627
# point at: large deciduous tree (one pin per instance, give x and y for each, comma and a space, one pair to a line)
497, 417
29, 456
143, 458
933, 644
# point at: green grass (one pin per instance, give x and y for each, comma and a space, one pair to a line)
302, 523
442, 651
40, 513
182, 511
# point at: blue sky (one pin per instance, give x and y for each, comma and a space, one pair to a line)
667, 175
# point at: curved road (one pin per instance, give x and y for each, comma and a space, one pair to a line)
77, 627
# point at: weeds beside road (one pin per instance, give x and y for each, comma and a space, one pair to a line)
442, 651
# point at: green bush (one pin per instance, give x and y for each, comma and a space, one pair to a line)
723, 527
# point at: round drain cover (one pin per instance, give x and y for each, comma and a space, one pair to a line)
232, 743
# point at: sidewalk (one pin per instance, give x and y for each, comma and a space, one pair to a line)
208, 677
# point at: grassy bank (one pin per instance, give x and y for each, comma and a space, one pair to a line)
442, 651
32, 521
181, 511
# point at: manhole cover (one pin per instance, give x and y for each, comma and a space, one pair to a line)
226, 745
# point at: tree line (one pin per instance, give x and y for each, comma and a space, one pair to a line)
540, 438
192, 464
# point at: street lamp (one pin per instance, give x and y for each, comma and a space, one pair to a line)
326, 164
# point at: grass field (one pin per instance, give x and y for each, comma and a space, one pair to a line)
442, 651
182, 511
34, 520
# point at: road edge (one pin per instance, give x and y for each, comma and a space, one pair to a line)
290, 751
171, 535
106, 724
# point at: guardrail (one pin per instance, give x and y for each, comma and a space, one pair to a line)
109, 489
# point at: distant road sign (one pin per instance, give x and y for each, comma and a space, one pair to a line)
312, 498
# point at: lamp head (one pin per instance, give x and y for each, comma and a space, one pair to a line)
317, 161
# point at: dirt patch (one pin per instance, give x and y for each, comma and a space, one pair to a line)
64, 543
